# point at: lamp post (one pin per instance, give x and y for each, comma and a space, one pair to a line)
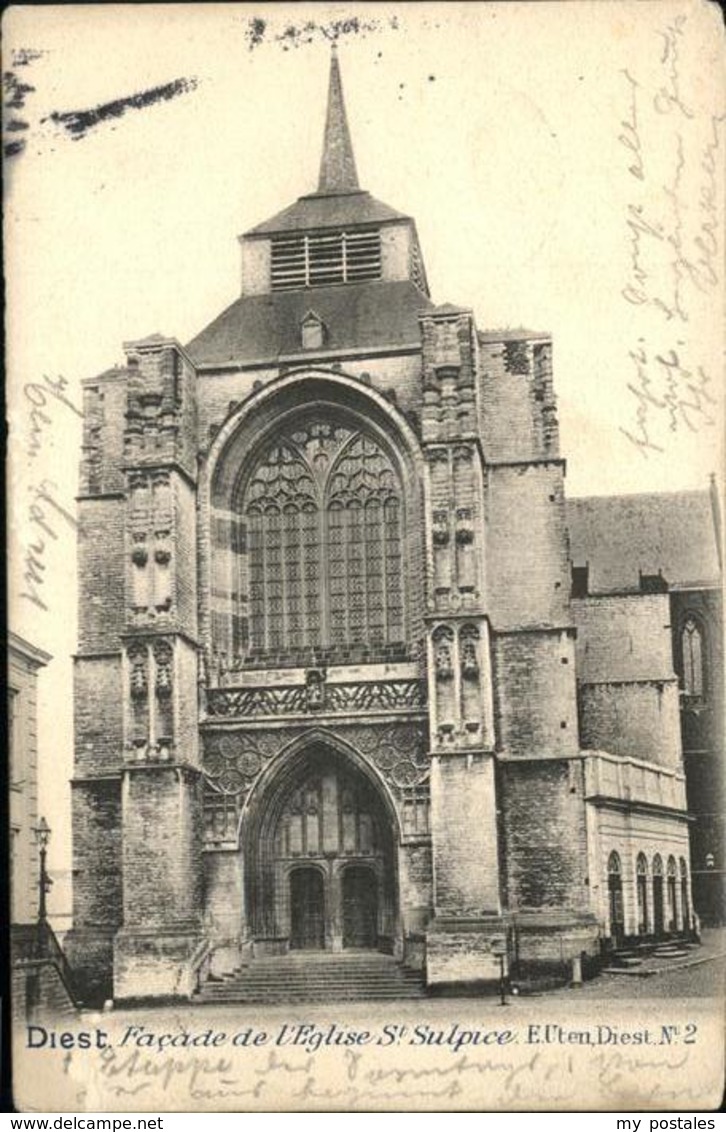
42, 837
499, 951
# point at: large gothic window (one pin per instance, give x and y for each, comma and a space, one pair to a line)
323, 562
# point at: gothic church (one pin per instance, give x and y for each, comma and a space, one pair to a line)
343, 682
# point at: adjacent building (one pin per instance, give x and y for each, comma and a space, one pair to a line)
24, 662
647, 602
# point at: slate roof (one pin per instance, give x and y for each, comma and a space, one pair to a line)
337, 164
618, 536
356, 316
328, 210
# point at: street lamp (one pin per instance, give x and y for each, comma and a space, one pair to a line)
499, 951
42, 837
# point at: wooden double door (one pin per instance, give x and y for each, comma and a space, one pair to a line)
312, 904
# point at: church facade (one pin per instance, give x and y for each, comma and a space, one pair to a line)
339, 684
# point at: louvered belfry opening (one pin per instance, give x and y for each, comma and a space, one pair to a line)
319, 259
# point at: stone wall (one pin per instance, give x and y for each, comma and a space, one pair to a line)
543, 834
161, 846
101, 569
518, 419
628, 693
98, 714
396, 375
528, 571
96, 813
630, 833
464, 835
702, 731
534, 693
97, 884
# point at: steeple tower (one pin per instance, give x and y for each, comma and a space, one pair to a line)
338, 173
337, 235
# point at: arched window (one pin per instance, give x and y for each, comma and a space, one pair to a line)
615, 895
692, 654
672, 904
322, 568
685, 903
642, 891
658, 905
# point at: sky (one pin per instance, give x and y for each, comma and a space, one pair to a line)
562, 161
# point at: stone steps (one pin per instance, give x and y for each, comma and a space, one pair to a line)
316, 978
650, 958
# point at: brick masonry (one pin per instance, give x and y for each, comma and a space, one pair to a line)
99, 735
161, 873
101, 561
543, 835
97, 884
464, 835
534, 693
628, 691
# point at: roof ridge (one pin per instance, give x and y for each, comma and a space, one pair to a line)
641, 494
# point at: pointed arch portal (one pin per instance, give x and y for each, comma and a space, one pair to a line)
318, 845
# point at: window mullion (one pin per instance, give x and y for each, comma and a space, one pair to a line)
383, 531
323, 572
301, 611
264, 580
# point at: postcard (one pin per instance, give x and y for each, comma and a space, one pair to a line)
365, 504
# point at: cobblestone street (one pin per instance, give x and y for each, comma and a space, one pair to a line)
706, 980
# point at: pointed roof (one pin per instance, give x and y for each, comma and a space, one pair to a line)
338, 201
338, 173
333, 211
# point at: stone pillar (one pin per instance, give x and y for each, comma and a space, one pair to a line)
467, 909
155, 951
161, 945
463, 824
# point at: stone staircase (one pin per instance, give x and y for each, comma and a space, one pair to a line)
316, 977
648, 955
675, 950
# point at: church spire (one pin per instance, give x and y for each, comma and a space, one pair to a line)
337, 166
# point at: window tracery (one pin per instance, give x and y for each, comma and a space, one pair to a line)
333, 809
324, 561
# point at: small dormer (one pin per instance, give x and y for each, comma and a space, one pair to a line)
312, 332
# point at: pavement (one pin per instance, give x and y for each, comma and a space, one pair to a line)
712, 946
702, 975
